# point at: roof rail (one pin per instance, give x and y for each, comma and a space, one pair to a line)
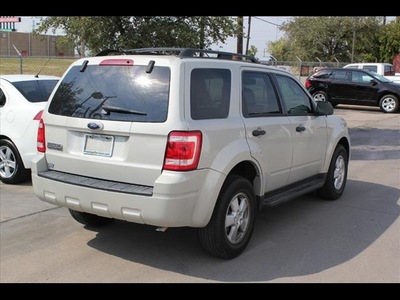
184, 53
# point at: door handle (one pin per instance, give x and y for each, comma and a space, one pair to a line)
300, 128
259, 132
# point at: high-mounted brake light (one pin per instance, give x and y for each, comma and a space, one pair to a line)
116, 62
183, 150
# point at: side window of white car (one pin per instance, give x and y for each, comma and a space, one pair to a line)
294, 97
258, 95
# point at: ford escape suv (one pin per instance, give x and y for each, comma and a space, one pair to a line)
172, 137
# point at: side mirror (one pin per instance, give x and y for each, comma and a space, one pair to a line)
324, 108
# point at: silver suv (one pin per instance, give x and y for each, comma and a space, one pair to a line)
173, 137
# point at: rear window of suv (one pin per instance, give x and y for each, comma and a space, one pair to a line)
121, 93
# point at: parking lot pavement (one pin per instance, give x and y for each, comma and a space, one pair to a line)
354, 239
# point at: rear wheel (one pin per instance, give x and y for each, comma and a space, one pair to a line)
231, 225
337, 175
89, 219
320, 96
389, 104
12, 170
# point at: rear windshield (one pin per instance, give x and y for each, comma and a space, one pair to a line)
36, 90
122, 93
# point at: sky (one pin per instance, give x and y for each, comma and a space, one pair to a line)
263, 29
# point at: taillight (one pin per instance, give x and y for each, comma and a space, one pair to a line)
38, 115
41, 141
307, 83
183, 150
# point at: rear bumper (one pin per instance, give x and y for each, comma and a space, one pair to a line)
177, 199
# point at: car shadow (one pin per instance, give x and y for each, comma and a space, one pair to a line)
301, 237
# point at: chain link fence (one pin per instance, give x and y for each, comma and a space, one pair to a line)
33, 65
58, 65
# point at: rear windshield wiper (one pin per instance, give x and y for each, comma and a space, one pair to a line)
107, 109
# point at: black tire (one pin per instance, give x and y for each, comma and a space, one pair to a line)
12, 170
90, 219
320, 96
337, 175
389, 104
238, 202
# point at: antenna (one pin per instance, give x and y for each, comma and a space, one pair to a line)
37, 75
19, 53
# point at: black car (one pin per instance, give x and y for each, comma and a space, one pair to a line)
352, 86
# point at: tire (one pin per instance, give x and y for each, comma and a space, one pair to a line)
320, 96
90, 219
12, 170
389, 104
337, 175
237, 202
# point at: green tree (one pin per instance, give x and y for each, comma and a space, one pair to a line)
344, 39
390, 40
252, 50
95, 33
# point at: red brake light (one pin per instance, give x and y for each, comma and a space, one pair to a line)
183, 151
307, 83
41, 141
116, 62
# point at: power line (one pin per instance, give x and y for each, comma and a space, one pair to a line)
258, 18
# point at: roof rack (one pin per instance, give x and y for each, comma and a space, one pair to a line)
183, 53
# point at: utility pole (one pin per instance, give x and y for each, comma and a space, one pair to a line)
239, 48
354, 39
248, 36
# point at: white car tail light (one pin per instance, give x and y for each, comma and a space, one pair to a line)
183, 150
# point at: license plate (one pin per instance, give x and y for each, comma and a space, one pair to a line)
98, 144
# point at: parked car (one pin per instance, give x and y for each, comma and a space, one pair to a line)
185, 138
385, 69
355, 87
22, 99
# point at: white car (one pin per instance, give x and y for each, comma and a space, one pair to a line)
22, 99
185, 138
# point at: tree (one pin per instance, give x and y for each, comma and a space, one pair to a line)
96, 33
336, 38
390, 40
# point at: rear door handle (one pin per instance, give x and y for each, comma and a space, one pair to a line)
259, 132
300, 128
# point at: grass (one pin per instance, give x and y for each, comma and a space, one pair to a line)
32, 65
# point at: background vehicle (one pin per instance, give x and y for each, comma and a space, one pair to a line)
384, 69
185, 137
354, 86
22, 99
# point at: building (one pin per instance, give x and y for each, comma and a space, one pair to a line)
28, 44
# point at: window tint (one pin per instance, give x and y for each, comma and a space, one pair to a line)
2, 98
360, 77
36, 90
323, 74
210, 91
389, 70
342, 75
295, 98
371, 68
122, 93
258, 95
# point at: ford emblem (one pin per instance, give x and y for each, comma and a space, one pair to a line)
95, 126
